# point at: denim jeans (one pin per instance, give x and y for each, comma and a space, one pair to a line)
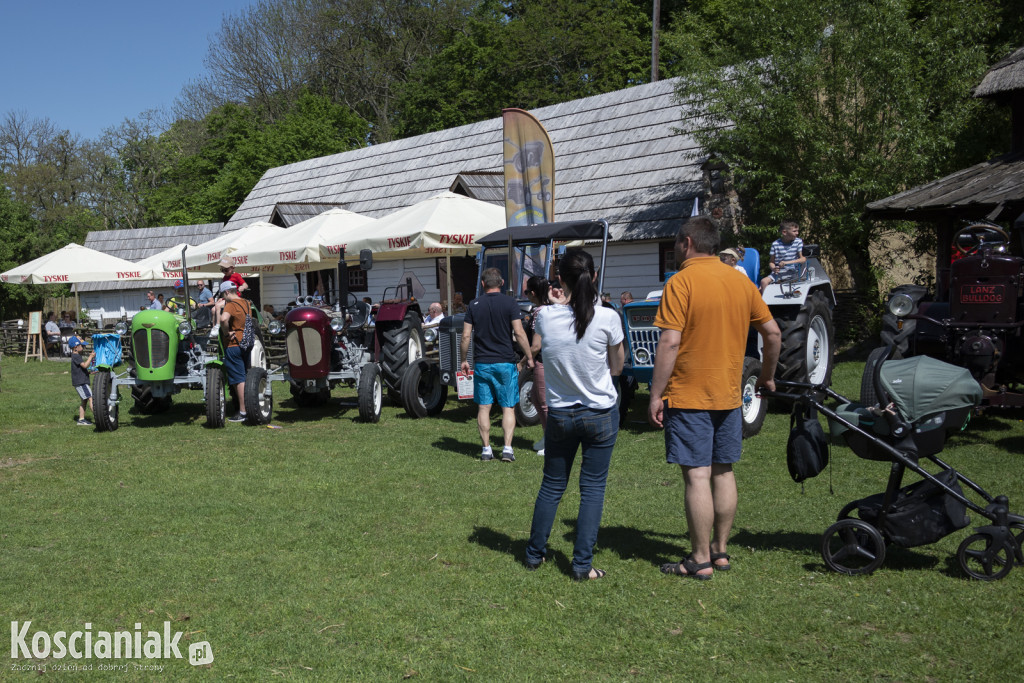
568, 429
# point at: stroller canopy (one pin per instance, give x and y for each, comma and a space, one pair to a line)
923, 386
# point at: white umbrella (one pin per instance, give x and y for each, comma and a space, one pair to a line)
205, 257
305, 245
155, 263
446, 224
75, 263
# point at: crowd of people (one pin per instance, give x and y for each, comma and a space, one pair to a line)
576, 355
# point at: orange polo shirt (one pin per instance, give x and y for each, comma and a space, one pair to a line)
713, 306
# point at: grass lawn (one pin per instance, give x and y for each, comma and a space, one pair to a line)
337, 550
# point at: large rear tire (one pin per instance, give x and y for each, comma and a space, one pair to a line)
400, 344
807, 343
423, 392
104, 406
259, 405
370, 392
527, 414
754, 408
215, 403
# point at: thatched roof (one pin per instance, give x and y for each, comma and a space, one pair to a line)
137, 244
1004, 78
993, 189
617, 156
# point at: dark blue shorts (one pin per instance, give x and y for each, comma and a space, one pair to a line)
83, 391
698, 438
236, 362
496, 383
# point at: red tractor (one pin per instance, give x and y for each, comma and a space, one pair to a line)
975, 321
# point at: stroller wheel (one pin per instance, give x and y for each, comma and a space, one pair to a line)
981, 559
1017, 529
852, 546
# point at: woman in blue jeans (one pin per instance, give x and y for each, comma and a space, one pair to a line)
582, 349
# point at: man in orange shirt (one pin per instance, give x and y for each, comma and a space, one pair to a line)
705, 313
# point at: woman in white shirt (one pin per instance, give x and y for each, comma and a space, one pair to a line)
581, 344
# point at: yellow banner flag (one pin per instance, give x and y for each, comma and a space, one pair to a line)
529, 170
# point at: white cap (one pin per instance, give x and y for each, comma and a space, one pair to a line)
227, 286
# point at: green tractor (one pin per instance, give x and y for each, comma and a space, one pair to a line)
170, 356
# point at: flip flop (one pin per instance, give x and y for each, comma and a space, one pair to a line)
688, 567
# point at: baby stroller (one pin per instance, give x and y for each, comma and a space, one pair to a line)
920, 401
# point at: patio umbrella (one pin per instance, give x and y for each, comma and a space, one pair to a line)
446, 224
155, 263
313, 244
205, 257
75, 263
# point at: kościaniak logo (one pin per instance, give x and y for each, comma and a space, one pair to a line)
85, 644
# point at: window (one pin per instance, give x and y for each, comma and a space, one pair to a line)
666, 259
357, 280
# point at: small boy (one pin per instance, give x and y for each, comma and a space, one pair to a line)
80, 376
786, 253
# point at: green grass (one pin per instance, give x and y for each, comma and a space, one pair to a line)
339, 550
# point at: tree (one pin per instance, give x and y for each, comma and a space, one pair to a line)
821, 107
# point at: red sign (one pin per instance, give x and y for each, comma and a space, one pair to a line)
55, 278
399, 242
289, 256
125, 275
456, 239
982, 294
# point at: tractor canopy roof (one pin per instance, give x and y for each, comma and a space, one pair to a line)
544, 232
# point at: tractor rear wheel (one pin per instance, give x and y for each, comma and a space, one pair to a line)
400, 344
259, 405
370, 393
104, 407
807, 343
754, 408
215, 398
423, 392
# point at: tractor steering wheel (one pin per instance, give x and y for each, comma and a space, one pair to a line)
969, 239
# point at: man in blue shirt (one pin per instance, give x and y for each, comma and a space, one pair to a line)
492, 319
202, 312
154, 303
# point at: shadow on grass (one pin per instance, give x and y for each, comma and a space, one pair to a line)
178, 413
630, 543
505, 544
521, 445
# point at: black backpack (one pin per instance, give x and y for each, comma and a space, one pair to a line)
807, 449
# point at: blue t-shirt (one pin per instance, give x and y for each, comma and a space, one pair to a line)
202, 314
491, 315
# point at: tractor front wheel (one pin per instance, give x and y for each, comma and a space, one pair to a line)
370, 393
215, 398
527, 414
754, 407
259, 405
104, 402
423, 392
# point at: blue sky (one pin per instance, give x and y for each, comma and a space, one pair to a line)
89, 65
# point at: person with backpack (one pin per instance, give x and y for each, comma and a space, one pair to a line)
235, 314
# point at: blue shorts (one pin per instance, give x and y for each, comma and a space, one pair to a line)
784, 274
698, 438
84, 392
496, 383
236, 362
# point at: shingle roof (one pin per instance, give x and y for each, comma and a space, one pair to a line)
287, 214
617, 156
137, 244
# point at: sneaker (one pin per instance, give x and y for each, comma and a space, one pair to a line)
541, 452
506, 455
487, 454
539, 446
83, 422
237, 418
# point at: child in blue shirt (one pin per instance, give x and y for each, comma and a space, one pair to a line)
80, 376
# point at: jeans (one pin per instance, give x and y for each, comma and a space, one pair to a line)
567, 430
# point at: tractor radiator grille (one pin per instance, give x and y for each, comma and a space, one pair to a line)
140, 348
644, 338
448, 350
161, 349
